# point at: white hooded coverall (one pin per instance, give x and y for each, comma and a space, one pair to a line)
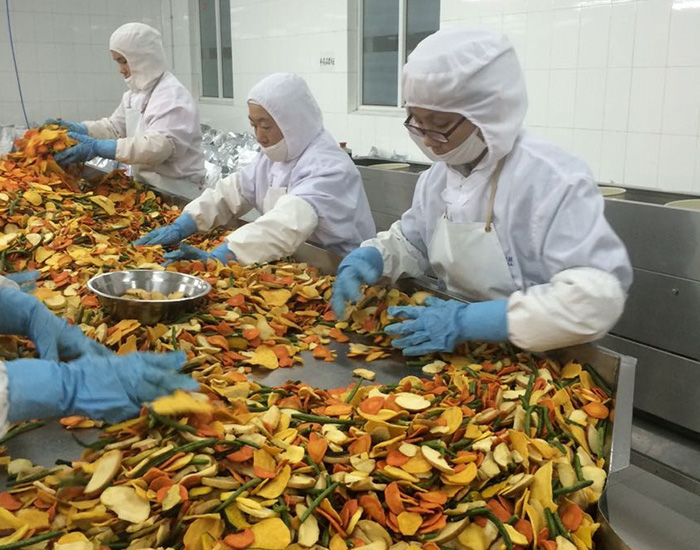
315, 195
156, 125
570, 272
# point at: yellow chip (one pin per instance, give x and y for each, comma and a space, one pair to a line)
276, 486
277, 297
409, 523
181, 402
465, 477
213, 526
264, 356
271, 534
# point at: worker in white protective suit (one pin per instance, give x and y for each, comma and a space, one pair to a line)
305, 186
512, 223
155, 128
74, 375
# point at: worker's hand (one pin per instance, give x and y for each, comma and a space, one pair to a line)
76, 127
53, 337
362, 266
221, 253
111, 388
441, 325
26, 280
87, 148
168, 235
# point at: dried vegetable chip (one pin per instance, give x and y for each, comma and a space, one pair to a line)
493, 449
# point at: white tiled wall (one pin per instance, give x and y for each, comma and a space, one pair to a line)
62, 51
615, 81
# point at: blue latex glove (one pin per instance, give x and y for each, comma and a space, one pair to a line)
87, 148
362, 266
53, 337
442, 325
76, 127
168, 235
25, 279
111, 388
186, 251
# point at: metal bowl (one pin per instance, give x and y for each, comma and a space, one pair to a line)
110, 289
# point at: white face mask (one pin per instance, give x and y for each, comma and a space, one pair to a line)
465, 153
130, 83
277, 152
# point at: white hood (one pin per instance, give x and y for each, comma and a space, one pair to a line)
288, 99
475, 73
142, 47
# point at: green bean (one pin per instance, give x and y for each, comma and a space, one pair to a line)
17, 430
577, 467
238, 492
318, 501
354, 391
497, 522
188, 447
597, 379
29, 479
324, 419
32, 540
172, 423
572, 488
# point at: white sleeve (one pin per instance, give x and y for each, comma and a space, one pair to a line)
149, 149
216, 206
401, 257
578, 305
276, 234
102, 129
4, 400
113, 127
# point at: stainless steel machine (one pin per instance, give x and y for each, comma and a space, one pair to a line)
660, 326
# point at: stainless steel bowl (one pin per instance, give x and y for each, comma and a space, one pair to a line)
110, 289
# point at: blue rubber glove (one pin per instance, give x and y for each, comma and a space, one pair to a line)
442, 325
111, 388
25, 279
362, 266
168, 235
222, 253
53, 337
87, 148
76, 127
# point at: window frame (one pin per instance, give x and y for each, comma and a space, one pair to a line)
220, 99
398, 109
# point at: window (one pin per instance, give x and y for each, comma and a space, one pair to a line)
391, 29
215, 47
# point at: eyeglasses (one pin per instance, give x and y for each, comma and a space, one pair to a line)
440, 137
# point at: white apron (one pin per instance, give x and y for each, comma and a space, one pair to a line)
468, 258
179, 187
275, 189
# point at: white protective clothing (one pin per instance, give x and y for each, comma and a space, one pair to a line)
570, 269
156, 125
489, 278
316, 194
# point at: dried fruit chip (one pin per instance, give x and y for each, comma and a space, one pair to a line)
180, 403
271, 534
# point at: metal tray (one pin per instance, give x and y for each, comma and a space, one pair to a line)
51, 442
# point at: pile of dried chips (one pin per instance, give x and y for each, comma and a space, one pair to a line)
486, 449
